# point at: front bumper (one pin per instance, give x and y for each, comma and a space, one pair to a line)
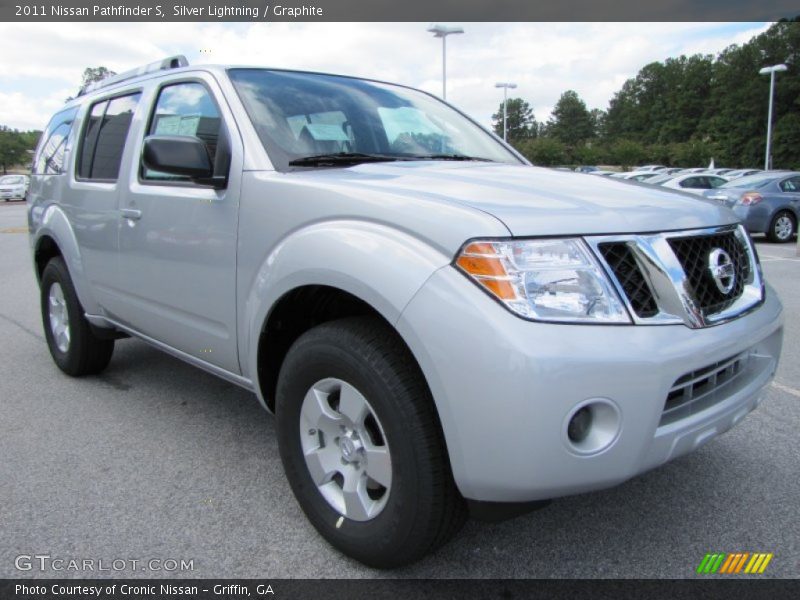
505, 388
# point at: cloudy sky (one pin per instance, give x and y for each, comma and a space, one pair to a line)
43, 62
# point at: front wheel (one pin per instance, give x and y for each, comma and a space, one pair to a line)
73, 346
782, 227
361, 444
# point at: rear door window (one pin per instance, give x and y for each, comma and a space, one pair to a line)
791, 185
104, 136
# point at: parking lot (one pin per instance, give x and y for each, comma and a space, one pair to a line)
155, 459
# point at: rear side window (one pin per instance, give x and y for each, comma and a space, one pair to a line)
185, 109
791, 185
49, 158
104, 136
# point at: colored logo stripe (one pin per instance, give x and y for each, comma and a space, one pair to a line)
732, 563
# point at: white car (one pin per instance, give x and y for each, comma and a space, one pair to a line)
637, 175
689, 182
13, 186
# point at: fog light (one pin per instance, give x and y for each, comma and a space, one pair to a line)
579, 425
592, 426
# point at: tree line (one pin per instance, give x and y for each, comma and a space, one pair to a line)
680, 112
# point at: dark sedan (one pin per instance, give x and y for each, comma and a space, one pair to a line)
767, 202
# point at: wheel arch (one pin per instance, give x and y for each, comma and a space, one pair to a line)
54, 236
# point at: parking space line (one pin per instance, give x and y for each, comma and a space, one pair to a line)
768, 258
786, 388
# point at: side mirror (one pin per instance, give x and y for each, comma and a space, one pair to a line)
177, 155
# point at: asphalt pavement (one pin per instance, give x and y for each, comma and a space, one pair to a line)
156, 460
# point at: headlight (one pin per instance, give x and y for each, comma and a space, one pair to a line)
547, 279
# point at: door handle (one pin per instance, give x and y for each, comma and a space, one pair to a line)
134, 214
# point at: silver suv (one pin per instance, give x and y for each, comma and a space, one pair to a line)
437, 325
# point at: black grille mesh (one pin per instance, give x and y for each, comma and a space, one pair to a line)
693, 252
620, 258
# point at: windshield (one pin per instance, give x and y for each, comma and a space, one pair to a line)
11, 180
751, 181
300, 115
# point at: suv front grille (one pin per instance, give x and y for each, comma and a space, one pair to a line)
693, 252
681, 276
620, 258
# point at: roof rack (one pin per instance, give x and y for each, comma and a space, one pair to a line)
172, 62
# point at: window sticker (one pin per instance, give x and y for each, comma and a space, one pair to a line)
323, 132
177, 125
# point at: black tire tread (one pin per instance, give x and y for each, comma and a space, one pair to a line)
380, 346
88, 355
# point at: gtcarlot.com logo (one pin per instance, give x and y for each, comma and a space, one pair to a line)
745, 563
46, 562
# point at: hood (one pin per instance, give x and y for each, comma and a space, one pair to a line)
533, 201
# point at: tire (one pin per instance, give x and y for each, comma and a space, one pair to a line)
78, 352
782, 227
402, 517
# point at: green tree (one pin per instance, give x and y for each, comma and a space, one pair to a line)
13, 148
693, 153
627, 153
93, 74
787, 141
521, 122
571, 122
544, 151
715, 105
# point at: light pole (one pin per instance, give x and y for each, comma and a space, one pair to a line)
442, 31
771, 72
505, 86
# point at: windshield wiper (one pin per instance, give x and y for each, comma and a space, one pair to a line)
341, 158
450, 157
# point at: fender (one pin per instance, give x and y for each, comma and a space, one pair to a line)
54, 223
378, 264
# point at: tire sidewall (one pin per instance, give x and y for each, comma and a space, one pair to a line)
370, 541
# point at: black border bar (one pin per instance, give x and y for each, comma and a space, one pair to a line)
395, 10
711, 588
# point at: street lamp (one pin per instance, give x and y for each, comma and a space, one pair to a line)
505, 86
771, 72
442, 31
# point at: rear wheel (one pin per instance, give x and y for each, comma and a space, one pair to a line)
361, 444
73, 346
782, 227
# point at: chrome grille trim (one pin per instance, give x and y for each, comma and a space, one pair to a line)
665, 276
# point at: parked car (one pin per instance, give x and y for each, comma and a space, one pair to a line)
602, 172
14, 186
692, 170
695, 183
650, 168
586, 169
642, 176
438, 326
636, 175
741, 173
767, 202
724, 172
